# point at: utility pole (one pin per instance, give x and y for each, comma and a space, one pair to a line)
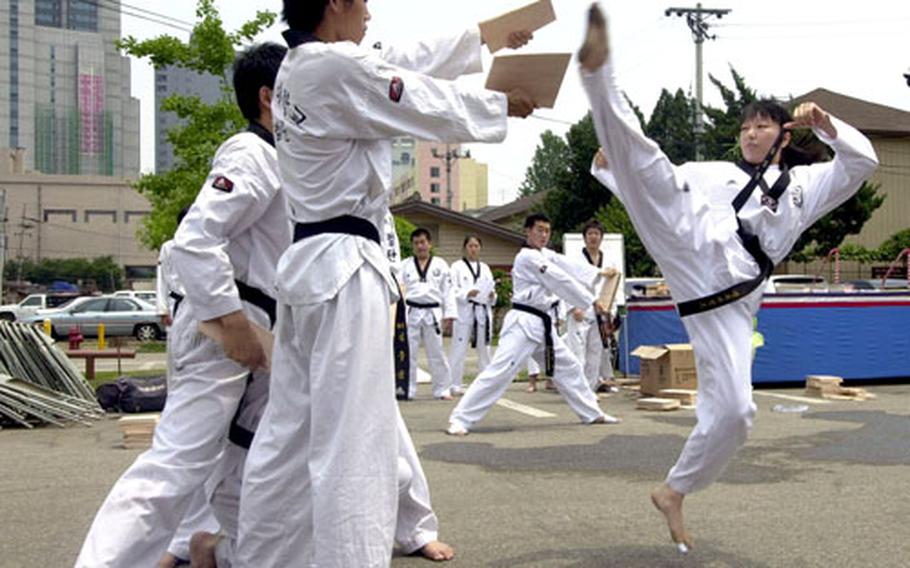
449, 157
697, 18
23, 227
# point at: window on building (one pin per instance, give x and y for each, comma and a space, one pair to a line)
434, 172
435, 201
82, 15
405, 158
49, 13
434, 188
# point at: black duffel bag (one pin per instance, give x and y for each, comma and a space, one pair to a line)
133, 394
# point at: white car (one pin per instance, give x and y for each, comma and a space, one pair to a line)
147, 296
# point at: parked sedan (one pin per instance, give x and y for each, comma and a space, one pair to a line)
120, 316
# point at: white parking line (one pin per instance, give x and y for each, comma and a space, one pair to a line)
794, 398
524, 409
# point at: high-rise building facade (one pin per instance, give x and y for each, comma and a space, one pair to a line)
65, 88
178, 81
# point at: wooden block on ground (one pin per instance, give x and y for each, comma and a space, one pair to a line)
823, 383
686, 397
663, 404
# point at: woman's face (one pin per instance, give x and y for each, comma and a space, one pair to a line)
472, 249
756, 136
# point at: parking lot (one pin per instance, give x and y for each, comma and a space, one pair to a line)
827, 487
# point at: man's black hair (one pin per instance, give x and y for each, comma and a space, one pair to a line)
304, 15
421, 231
255, 68
534, 218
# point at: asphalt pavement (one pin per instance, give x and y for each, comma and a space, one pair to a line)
826, 487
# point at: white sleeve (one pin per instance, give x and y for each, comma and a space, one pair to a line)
555, 279
460, 292
604, 176
581, 270
352, 95
161, 291
444, 58
832, 183
200, 255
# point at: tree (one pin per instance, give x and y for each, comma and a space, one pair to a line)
103, 272
578, 198
210, 49
550, 166
404, 228
671, 126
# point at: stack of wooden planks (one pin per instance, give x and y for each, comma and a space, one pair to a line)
138, 430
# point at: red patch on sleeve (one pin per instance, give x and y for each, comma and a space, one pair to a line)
396, 89
222, 183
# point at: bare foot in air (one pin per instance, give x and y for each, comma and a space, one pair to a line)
595, 50
437, 551
669, 503
202, 550
167, 561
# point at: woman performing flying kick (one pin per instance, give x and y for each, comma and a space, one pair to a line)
716, 229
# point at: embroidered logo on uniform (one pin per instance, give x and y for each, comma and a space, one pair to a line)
769, 202
543, 269
222, 183
297, 116
378, 45
797, 197
437, 272
396, 89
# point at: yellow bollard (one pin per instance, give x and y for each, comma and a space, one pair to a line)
100, 337
47, 328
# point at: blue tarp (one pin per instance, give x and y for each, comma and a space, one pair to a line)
61, 286
855, 336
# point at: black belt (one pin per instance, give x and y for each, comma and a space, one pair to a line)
237, 433
177, 299
549, 352
259, 299
474, 306
737, 291
346, 224
426, 306
401, 349
247, 293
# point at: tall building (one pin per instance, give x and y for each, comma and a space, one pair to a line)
65, 88
177, 81
420, 168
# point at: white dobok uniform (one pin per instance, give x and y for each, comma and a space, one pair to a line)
321, 481
685, 219
430, 299
539, 278
583, 339
474, 327
230, 239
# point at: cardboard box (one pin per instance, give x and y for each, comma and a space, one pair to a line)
670, 366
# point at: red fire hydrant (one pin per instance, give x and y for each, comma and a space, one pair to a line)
75, 337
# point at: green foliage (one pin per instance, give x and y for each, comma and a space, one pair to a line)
210, 50
404, 228
892, 247
550, 167
103, 272
671, 126
574, 202
503, 288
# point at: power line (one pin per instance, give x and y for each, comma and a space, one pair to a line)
126, 12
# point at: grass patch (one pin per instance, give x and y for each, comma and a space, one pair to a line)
151, 347
103, 377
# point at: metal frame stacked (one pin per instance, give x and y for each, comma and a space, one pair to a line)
38, 383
